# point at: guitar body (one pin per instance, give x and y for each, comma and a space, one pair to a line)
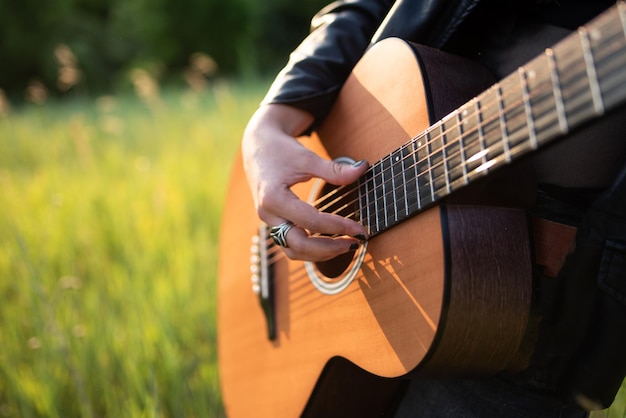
444, 293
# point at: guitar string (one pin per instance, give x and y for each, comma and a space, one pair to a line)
539, 90
323, 202
274, 252
339, 199
542, 87
572, 44
302, 306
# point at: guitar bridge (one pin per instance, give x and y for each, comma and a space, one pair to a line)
262, 277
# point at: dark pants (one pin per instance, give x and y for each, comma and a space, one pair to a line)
490, 398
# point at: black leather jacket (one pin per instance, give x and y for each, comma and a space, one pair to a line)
342, 31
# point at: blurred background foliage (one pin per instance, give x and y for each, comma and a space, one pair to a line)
92, 45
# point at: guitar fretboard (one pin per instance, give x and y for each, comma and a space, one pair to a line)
577, 80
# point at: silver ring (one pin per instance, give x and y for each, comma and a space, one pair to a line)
279, 233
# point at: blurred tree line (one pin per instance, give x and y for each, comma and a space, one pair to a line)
60, 45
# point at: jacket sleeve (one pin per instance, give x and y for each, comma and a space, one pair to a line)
318, 67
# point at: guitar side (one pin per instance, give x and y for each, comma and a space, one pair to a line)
445, 292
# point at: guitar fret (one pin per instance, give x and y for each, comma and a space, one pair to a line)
529, 113
403, 160
410, 185
542, 103
428, 161
388, 191
460, 123
368, 201
474, 141
384, 188
575, 87
491, 130
503, 127
362, 205
394, 159
527, 109
515, 116
424, 174
375, 197
439, 167
594, 85
556, 90
444, 152
481, 156
443, 140
454, 157
380, 197
415, 155
436, 159
481, 133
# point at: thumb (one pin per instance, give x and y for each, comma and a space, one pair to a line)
342, 171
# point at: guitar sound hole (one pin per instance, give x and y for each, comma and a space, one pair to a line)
343, 204
335, 267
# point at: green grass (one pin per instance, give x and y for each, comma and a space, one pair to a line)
618, 409
109, 218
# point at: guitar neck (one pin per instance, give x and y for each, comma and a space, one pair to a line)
578, 80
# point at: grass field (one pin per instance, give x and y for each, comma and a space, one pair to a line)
109, 218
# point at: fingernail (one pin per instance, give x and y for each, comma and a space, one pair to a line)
360, 237
358, 163
354, 247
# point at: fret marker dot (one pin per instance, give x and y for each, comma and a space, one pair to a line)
595, 34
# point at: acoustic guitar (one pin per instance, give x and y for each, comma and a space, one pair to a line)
443, 287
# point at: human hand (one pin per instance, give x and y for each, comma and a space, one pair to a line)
274, 160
